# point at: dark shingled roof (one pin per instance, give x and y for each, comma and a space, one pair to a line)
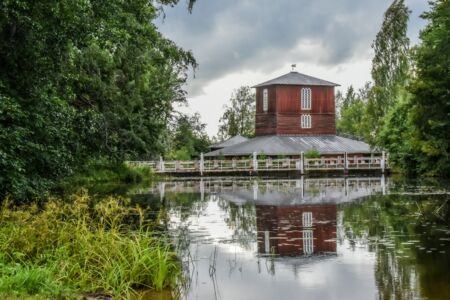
293, 145
295, 78
237, 139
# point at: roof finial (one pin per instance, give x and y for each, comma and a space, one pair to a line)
293, 67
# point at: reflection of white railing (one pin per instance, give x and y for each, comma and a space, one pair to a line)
346, 187
301, 164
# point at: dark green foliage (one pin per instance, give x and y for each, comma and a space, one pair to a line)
396, 134
36, 143
351, 121
239, 116
81, 80
431, 92
189, 138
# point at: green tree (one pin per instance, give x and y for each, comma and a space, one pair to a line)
352, 106
82, 79
395, 135
390, 65
430, 88
239, 115
349, 98
189, 138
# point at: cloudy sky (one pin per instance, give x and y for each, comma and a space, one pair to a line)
245, 42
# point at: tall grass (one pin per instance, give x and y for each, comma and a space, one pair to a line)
79, 246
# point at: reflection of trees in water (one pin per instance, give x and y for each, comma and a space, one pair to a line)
242, 220
185, 205
400, 230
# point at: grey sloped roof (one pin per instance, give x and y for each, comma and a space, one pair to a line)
237, 139
293, 196
293, 145
295, 78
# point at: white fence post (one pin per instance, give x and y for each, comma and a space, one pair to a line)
162, 189
302, 186
202, 164
346, 187
386, 164
345, 161
255, 190
161, 164
255, 162
302, 162
202, 190
383, 161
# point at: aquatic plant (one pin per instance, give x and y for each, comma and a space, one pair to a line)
82, 246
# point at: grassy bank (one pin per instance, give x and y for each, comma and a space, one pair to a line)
103, 177
104, 171
81, 246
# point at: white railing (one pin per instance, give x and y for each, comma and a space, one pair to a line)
301, 164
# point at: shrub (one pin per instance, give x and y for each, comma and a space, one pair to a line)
103, 171
262, 155
313, 153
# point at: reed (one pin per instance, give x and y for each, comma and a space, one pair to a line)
82, 246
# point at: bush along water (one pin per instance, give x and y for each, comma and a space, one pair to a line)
81, 247
104, 171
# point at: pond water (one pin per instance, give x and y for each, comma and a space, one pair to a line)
308, 238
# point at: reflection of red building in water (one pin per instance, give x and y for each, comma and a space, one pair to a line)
296, 230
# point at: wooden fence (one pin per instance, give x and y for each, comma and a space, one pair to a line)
302, 164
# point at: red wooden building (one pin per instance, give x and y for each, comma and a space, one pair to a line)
295, 104
295, 113
296, 230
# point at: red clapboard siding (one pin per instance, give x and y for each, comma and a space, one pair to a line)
272, 99
285, 102
289, 123
265, 123
287, 240
289, 100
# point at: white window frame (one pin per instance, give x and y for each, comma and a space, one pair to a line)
308, 242
307, 219
265, 100
266, 241
305, 121
306, 96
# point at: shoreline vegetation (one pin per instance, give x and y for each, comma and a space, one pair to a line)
103, 171
81, 246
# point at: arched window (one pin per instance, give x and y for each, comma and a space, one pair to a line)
306, 98
265, 100
305, 121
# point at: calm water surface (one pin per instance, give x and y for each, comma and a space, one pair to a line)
336, 238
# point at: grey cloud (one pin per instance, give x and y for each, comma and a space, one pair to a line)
232, 35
